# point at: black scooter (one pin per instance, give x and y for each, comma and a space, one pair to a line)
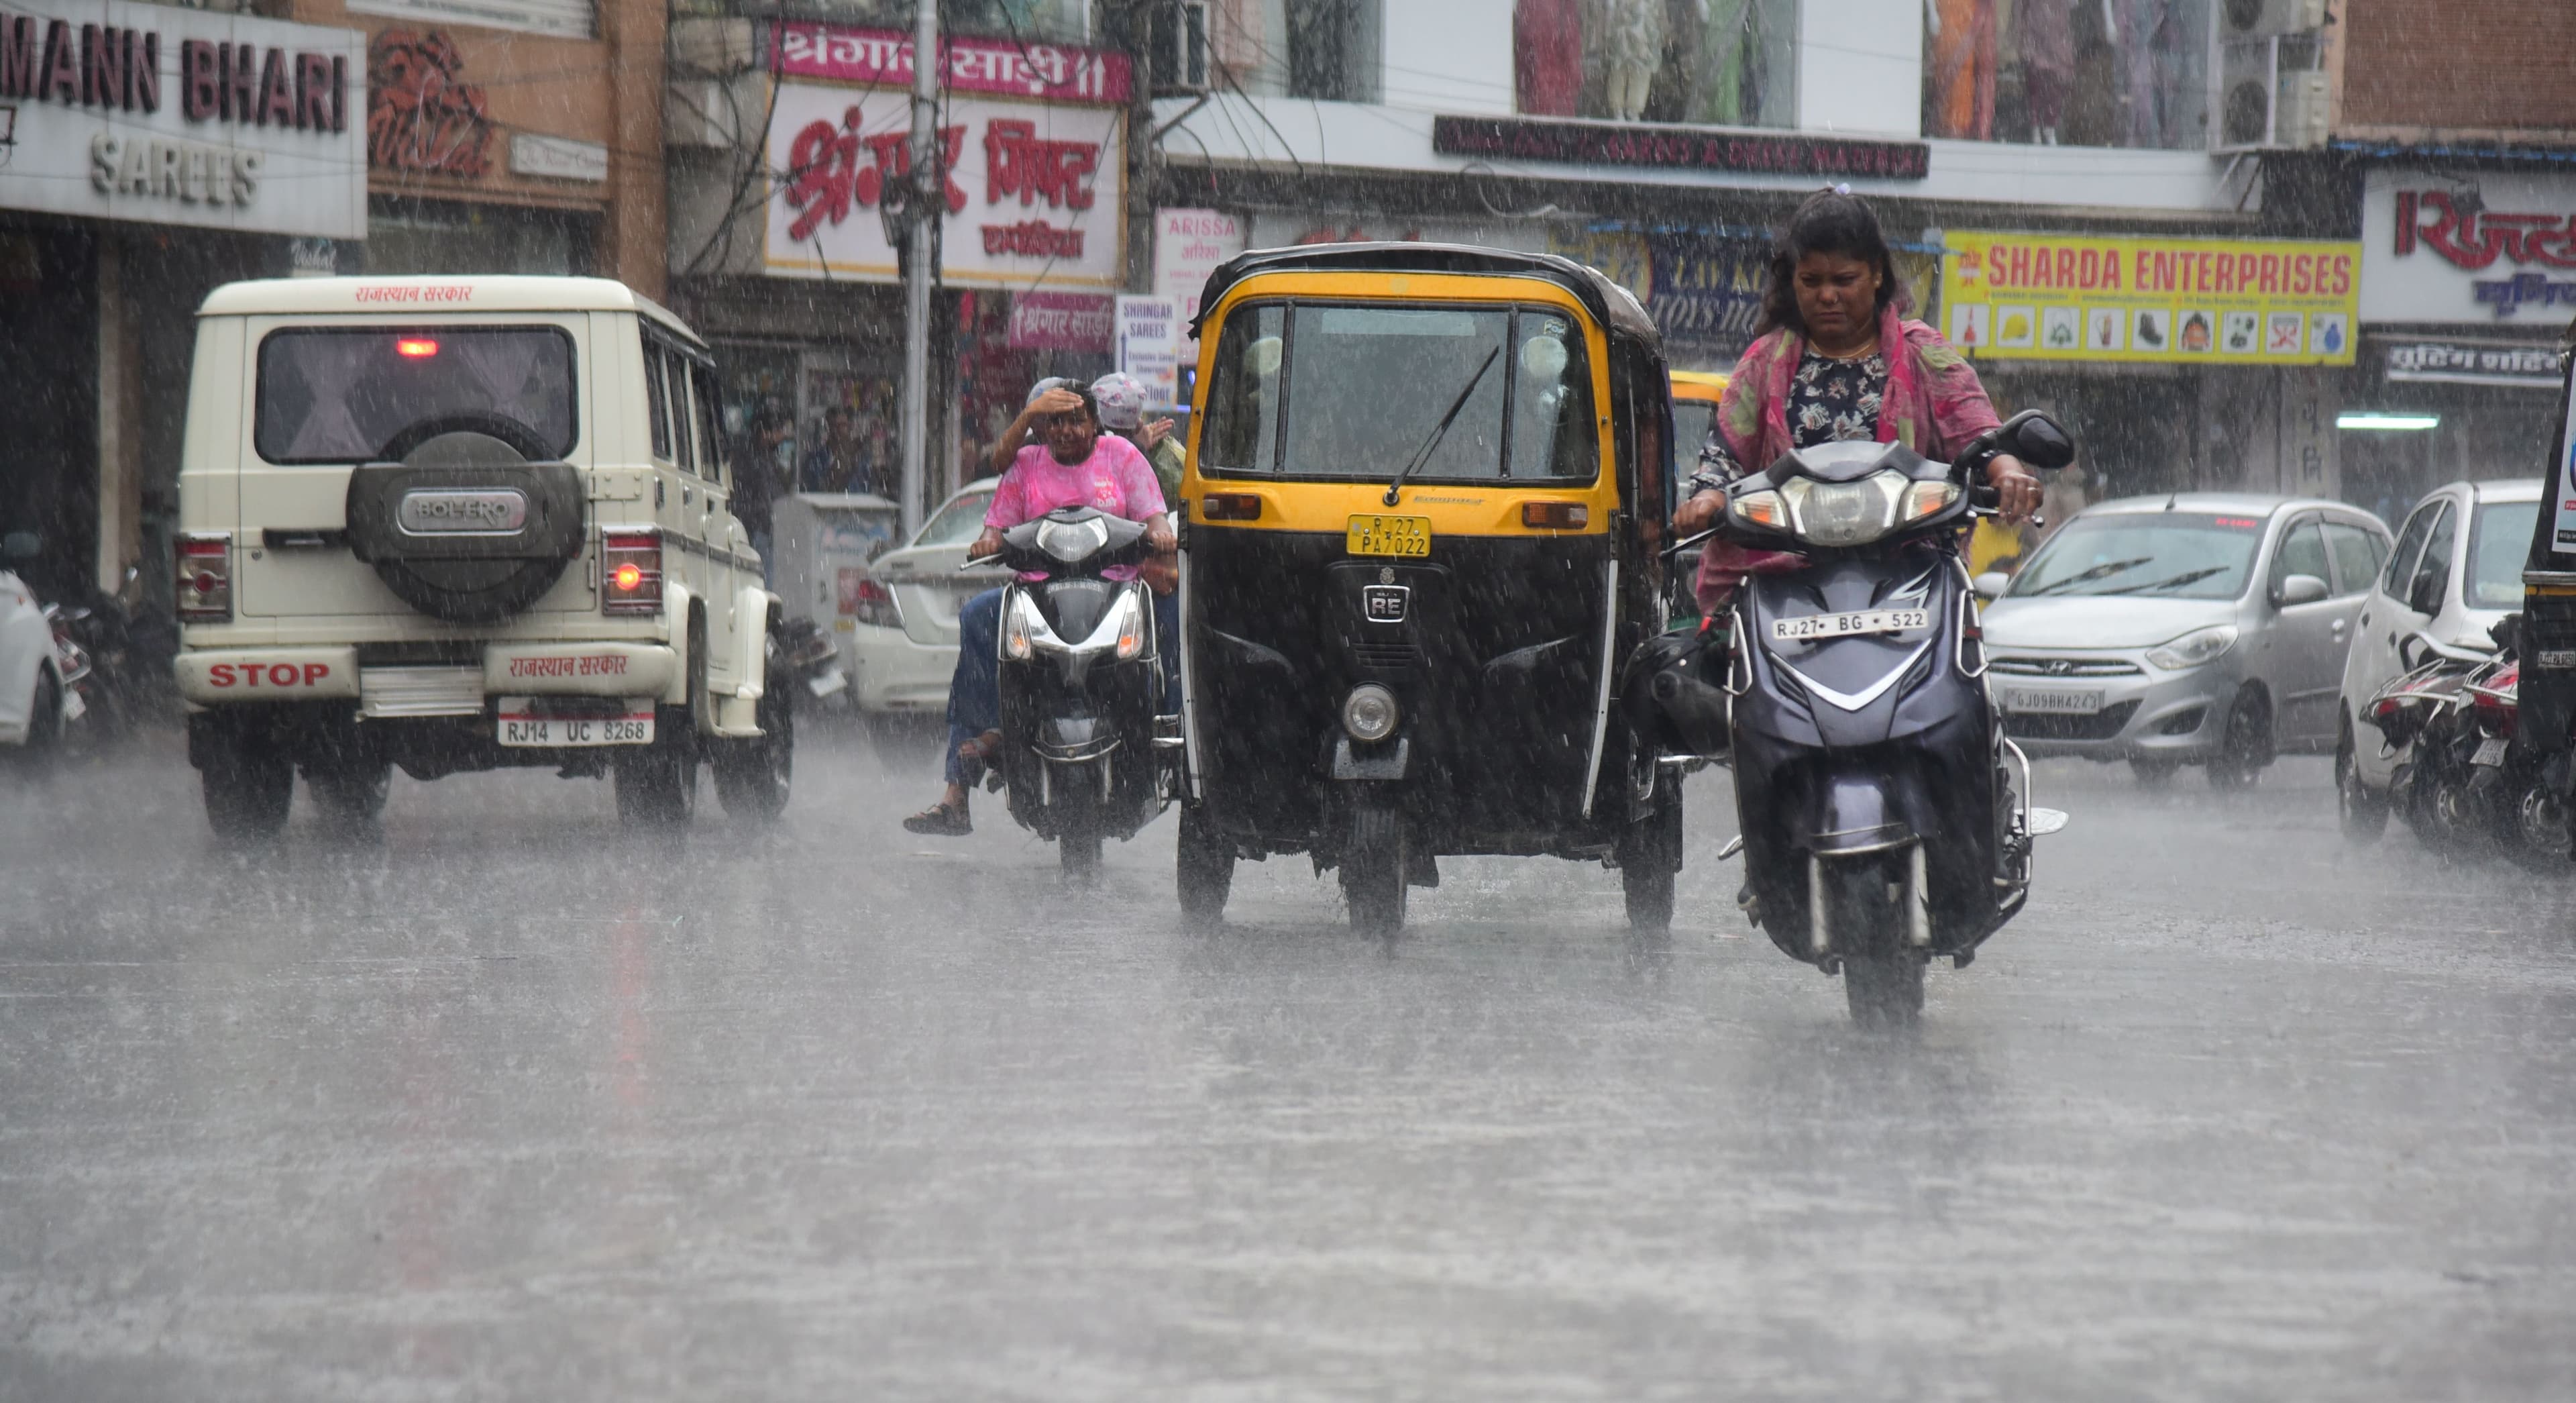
1081, 683
1881, 822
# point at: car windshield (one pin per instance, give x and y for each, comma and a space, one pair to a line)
2498, 539
343, 396
958, 522
1360, 391
2151, 555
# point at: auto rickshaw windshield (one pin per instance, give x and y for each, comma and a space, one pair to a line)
1342, 391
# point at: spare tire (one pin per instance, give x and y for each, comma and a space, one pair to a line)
462, 521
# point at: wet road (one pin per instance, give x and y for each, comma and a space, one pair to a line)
515, 1105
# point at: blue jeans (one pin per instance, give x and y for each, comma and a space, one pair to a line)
975, 690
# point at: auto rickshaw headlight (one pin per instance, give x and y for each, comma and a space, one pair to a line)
1369, 713
1764, 509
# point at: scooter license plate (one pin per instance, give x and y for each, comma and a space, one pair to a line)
1848, 625
523, 722
2490, 752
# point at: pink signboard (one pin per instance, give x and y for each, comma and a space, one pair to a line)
1062, 321
882, 56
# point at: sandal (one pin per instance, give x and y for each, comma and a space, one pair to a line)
941, 821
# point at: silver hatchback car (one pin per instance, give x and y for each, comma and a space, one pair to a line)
2195, 628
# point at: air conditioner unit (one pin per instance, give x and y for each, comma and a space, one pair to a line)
2260, 19
1179, 46
2299, 116
2258, 103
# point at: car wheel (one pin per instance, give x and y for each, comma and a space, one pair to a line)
44, 744
752, 776
2153, 774
2246, 746
2364, 814
247, 780
657, 785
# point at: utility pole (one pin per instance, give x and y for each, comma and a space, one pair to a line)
929, 186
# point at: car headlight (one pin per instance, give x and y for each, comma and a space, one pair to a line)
1072, 541
1369, 713
1846, 513
2199, 646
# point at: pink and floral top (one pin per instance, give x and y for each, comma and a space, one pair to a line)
1933, 403
1115, 478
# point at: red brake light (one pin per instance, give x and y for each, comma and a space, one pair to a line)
866, 599
1555, 516
630, 572
204, 578
415, 347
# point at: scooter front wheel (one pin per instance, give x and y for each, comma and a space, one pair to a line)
1079, 853
1884, 990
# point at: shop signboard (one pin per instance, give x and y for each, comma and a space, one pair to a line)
1001, 67
175, 116
2472, 363
1149, 339
1062, 321
2081, 298
2478, 247
1706, 295
1032, 195
1188, 245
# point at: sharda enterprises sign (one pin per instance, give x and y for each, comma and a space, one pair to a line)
169, 116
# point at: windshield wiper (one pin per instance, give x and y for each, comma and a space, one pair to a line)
1440, 430
2186, 577
2102, 571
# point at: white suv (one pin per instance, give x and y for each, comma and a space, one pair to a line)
460, 523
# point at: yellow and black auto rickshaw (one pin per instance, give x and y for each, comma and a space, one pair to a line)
1425, 498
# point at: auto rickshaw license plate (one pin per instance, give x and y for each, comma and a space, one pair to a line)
1390, 535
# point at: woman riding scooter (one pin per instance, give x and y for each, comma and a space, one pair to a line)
1053, 455
1837, 360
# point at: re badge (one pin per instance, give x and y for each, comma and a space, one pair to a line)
1384, 604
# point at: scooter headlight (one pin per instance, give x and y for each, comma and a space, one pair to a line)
2199, 646
1072, 541
1846, 513
1369, 713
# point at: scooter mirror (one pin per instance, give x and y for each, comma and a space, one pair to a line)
2038, 441
2506, 633
1991, 584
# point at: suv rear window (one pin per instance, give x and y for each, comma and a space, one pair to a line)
332, 395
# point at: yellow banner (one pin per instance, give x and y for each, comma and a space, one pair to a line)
2066, 297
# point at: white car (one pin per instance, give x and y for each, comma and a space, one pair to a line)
2456, 573
459, 523
35, 700
901, 613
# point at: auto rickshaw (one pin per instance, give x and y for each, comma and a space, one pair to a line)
1426, 491
1695, 399
2544, 635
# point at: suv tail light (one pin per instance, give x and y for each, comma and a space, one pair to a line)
204, 578
630, 572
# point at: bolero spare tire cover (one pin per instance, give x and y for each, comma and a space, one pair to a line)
465, 527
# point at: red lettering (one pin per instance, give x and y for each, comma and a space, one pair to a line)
238, 65
313, 92
142, 71
2302, 272
2267, 277
17, 56
59, 79
2088, 267
2405, 222
2111, 270
276, 96
220, 675
2066, 268
2245, 271
315, 672
2342, 275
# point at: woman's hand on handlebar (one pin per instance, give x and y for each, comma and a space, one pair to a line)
2016, 491
1698, 514
989, 543
1158, 534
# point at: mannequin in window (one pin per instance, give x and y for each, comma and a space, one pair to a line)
1632, 48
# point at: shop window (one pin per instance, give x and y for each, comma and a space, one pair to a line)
2068, 72
1726, 62
1327, 50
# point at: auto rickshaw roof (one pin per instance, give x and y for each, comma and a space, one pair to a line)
1612, 305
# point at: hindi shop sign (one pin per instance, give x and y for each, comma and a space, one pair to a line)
2447, 362
2480, 247
2066, 297
1061, 321
1188, 246
995, 66
173, 116
1032, 195
1664, 147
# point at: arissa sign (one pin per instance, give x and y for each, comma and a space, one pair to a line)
172, 116
2069, 297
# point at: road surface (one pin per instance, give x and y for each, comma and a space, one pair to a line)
514, 1104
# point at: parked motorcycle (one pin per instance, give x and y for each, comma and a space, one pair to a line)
1882, 824
2468, 783
129, 651
1081, 685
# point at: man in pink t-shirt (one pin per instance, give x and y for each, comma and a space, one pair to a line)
1075, 466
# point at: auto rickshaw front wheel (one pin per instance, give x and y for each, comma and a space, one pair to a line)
1206, 869
1373, 871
